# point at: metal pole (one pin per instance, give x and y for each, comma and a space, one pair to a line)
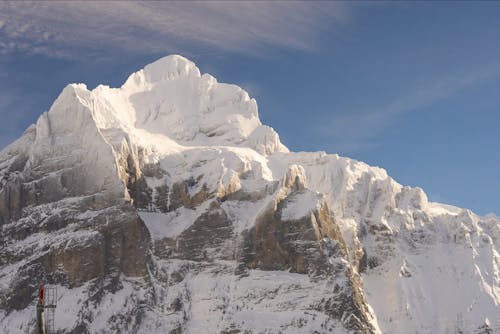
40, 314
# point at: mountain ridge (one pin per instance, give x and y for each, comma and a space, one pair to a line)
147, 167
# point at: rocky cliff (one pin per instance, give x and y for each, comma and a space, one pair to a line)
166, 206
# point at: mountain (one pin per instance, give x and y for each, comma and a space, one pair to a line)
166, 206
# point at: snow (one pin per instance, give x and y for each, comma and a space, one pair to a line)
68, 301
446, 291
437, 209
169, 225
15, 322
171, 98
114, 304
243, 214
264, 301
300, 205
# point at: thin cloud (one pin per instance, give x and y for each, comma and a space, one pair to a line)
62, 29
357, 130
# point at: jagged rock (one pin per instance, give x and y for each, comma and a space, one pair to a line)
180, 197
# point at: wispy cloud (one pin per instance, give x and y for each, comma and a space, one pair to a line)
61, 28
355, 130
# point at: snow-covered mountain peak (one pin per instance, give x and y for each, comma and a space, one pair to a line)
170, 98
191, 207
165, 69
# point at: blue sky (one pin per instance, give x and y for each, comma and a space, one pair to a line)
410, 87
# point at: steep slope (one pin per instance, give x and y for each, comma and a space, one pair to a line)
165, 205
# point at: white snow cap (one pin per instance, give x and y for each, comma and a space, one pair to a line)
171, 98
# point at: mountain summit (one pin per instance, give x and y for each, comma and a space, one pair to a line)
166, 206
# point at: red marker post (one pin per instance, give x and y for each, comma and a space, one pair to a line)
42, 292
40, 310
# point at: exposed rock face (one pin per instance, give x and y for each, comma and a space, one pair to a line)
166, 206
313, 246
206, 239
